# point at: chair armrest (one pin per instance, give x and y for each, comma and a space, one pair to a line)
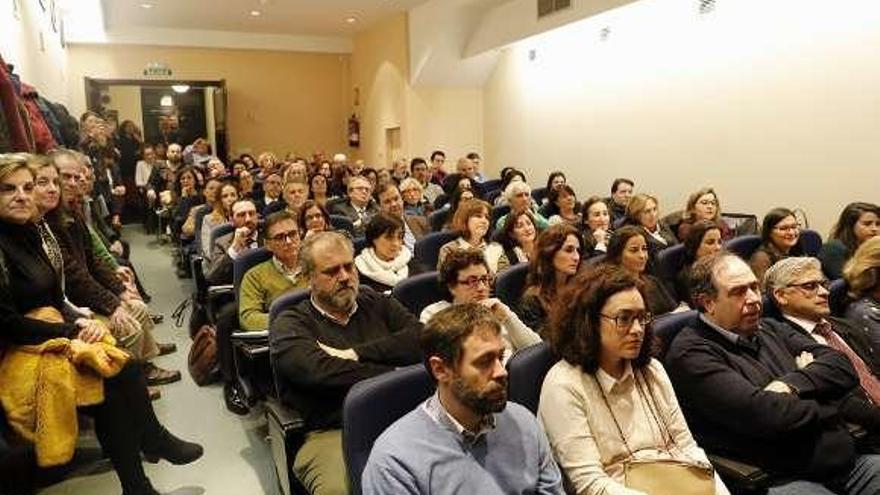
739, 473
220, 290
252, 335
288, 418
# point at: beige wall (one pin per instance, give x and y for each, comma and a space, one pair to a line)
279, 101
127, 101
773, 103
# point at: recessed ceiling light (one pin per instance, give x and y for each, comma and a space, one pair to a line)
350, 20
255, 13
146, 6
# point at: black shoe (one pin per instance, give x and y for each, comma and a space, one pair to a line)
234, 401
172, 449
165, 349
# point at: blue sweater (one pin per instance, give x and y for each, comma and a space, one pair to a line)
419, 455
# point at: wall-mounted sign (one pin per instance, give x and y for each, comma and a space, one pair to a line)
157, 69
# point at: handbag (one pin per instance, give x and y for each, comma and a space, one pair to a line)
203, 360
661, 476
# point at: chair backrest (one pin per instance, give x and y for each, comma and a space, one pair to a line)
244, 262
199, 216
491, 196
525, 374
359, 243
418, 291
288, 300
274, 207
743, 246
489, 185
741, 223
218, 232
538, 194
342, 222
510, 283
838, 297
441, 200
667, 326
438, 218
427, 249
498, 212
669, 262
371, 406
811, 242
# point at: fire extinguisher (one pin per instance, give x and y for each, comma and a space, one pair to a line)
354, 131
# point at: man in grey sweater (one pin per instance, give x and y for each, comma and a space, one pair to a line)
465, 438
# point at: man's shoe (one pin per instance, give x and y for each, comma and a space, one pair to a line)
172, 449
234, 401
158, 376
154, 393
167, 348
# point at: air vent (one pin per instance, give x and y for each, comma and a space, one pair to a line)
706, 6
547, 7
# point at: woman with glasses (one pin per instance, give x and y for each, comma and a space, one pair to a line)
858, 222
313, 218
607, 402
780, 234
862, 275
385, 260
467, 279
471, 222
628, 249
702, 205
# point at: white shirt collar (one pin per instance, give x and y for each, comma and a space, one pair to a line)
610, 384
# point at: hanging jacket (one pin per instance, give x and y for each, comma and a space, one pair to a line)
11, 108
69, 126
51, 121
42, 135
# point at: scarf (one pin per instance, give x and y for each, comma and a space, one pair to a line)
385, 272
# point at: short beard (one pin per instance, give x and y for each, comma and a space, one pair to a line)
338, 301
475, 401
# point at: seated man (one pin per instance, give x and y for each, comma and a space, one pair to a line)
519, 197
799, 289
271, 190
466, 438
391, 202
323, 346
227, 247
621, 191
420, 171
360, 206
767, 397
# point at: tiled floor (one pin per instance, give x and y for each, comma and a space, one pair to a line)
237, 459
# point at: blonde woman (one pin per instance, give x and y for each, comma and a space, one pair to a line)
703, 205
862, 275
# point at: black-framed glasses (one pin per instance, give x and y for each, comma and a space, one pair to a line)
473, 281
624, 320
812, 285
290, 235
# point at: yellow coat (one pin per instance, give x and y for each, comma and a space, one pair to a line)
42, 385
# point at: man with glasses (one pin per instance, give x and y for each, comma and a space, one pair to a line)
360, 206
800, 292
765, 394
321, 347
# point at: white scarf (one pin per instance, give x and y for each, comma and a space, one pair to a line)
385, 272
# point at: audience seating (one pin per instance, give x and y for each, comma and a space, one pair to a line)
488, 186
497, 212
441, 201
288, 300
838, 297
437, 219
525, 374
669, 262
250, 350
197, 236
427, 249
491, 196
510, 283
418, 291
371, 406
539, 194
743, 246
811, 242
359, 244
741, 223
667, 326
342, 222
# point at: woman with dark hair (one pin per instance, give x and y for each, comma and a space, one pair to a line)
313, 218
467, 278
518, 237
556, 261
249, 162
780, 236
555, 180
471, 223
704, 239
562, 206
385, 260
628, 249
596, 225
458, 197
858, 222
703, 205
607, 402
221, 213
371, 175
455, 181
319, 189
34, 312
185, 195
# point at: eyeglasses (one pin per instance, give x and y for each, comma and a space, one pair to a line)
624, 320
707, 202
290, 235
473, 281
811, 286
8, 189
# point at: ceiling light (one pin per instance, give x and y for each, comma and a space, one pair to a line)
350, 20
166, 101
180, 88
146, 6
255, 13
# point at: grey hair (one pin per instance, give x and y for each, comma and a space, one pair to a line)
307, 250
515, 188
784, 272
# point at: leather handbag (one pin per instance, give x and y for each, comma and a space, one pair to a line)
203, 360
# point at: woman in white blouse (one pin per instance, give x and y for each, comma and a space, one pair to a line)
606, 401
471, 222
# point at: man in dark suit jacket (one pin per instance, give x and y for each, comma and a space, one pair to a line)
391, 202
227, 247
799, 290
360, 206
767, 396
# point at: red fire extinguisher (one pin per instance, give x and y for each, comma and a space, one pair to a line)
354, 131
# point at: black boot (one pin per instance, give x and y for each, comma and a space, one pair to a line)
172, 449
234, 400
145, 489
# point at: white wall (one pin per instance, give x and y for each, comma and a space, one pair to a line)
42, 65
127, 101
773, 103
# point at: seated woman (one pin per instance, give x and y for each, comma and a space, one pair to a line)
270, 279
414, 202
319, 188
385, 260
607, 402
643, 211
184, 196
628, 249
555, 180
295, 193
209, 195
31, 283
508, 177
467, 278
556, 262
704, 239
313, 218
862, 275
858, 222
780, 234
519, 197
471, 223
597, 226
518, 238
562, 206
221, 213
703, 205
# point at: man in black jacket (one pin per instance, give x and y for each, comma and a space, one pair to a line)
765, 395
323, 346
799, 290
